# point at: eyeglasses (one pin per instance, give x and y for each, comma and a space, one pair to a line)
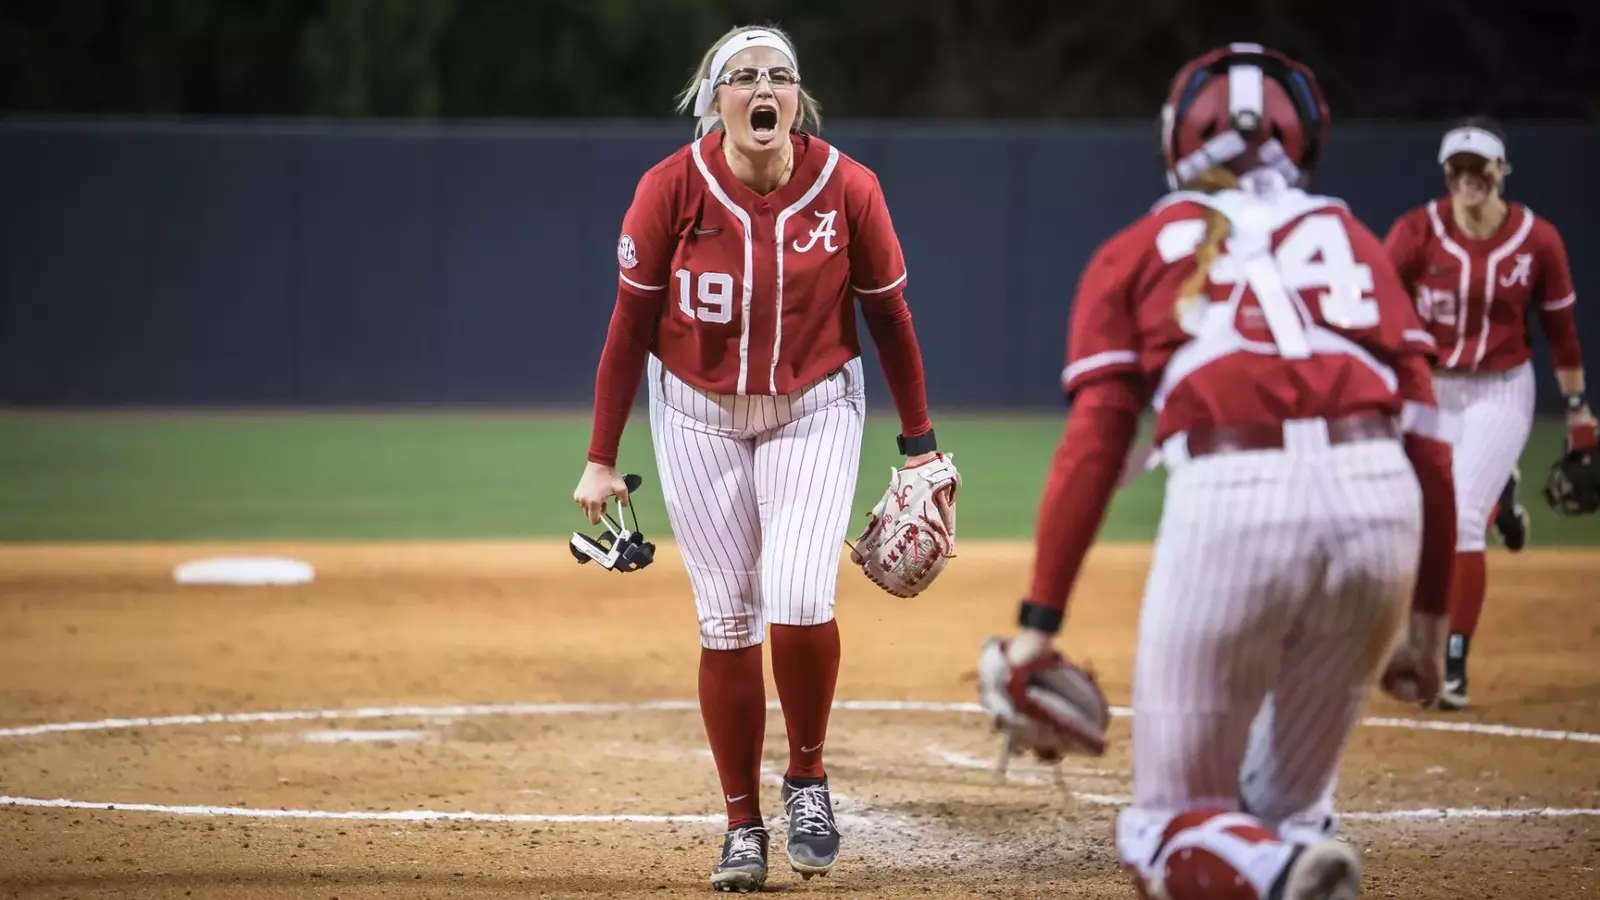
745, 79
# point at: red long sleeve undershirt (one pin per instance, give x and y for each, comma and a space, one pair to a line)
633, 325
889, 323
1083, 476
1561, 331
1431, 461
621, 369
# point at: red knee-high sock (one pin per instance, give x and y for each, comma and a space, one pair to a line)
1467, 587
733, 704
805, 664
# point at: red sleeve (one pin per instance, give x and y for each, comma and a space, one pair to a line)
1427, 446
644, 255
1403, 246
1103, 341
1102, 379
1428, 434
877, 267
1557, 298
878, 278
1083, 476
889, 321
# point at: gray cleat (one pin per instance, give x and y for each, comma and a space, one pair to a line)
813, 836
743, 866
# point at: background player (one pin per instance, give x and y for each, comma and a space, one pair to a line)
739, 258
1282, 354
1477, 266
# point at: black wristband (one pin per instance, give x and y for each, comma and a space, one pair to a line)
916, 446
1040, 618
1574, 402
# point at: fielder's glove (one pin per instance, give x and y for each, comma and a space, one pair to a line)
1042, 703
911, 533
1573, 485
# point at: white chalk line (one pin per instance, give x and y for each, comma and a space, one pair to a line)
548, 709
462, 711
1471, 812
1033, 776
428, 815
405, 815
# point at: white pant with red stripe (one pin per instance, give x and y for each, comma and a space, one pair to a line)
1279, 585
758, 492
1495, 410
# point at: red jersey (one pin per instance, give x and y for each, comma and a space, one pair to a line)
760, 286
1305, 319
1302, 316
1475, 295
743, 293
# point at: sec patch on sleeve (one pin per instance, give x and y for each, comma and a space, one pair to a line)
627, 257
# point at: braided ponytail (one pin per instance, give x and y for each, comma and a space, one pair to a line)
1217, 229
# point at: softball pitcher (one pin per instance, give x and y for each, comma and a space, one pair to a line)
739, 263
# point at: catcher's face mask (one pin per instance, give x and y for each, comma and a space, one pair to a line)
617, 548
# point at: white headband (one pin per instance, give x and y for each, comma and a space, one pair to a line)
742, 41
1472, 140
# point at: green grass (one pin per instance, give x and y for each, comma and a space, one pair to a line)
85, 478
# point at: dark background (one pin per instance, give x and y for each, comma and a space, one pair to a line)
304, 202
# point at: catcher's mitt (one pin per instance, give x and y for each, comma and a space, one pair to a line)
1046, 705
1573, 485
911, 533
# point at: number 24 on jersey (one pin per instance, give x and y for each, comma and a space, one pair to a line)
1316, 253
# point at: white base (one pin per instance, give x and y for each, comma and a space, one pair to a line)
247, 570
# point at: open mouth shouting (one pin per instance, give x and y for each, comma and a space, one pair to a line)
764, 121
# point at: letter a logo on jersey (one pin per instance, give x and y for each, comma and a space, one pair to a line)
824, 230
1521, 272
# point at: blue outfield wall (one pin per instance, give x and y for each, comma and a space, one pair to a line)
243, 263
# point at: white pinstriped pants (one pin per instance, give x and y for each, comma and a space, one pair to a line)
1496, 414
758, 492
1279, 585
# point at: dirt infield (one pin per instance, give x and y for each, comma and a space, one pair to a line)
583, 763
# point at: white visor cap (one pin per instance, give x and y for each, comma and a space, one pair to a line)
1476, 141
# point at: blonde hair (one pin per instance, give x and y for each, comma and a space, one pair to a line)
1217, 230
810, 110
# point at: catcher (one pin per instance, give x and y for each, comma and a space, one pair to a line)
1308, 474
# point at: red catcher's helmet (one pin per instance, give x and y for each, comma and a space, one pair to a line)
1242, 107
